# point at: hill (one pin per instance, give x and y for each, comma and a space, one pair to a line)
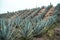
45, 22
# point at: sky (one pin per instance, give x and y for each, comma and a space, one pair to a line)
15, 5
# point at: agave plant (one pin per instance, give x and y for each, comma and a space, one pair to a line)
57, 7
49, 6
6, 30
39, 17
26, 31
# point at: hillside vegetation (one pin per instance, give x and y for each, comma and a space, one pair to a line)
31, 24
